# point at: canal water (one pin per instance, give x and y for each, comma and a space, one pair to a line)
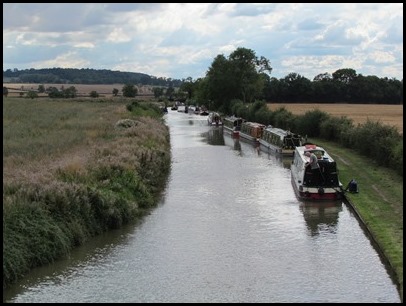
228, 229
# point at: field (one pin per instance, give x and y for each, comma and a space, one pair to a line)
386, 114
83, 89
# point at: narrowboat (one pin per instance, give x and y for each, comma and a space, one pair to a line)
279, 141
251, 131
203, 111
232, 125
214, 119
308, 185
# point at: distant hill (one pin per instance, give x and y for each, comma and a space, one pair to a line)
85, 76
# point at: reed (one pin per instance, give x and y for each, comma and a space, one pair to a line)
72, 171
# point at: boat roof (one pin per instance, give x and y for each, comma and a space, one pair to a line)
253, 124
280, 132
277, 131
233, 118
319, 151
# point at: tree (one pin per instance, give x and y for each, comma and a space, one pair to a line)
158, 91
69, 92
345, 80
31, 94
345, 76
54, 92
247, 69
169, 92
324, 89
94, 94
115, 92
219, 85
298, 88
129, 90
41, 88
240, 76
188, 86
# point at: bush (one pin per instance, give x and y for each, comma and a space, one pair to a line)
31, 95
94, 94
330, 129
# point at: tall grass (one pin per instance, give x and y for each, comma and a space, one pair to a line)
72, 170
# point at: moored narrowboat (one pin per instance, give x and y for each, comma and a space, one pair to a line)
232, 125
279, 141
323, 184
251, 131
214, 118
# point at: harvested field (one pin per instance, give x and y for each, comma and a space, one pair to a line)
105, 90
386, 114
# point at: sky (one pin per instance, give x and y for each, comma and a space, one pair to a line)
181, 40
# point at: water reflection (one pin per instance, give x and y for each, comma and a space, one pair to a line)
283, 161
321, 217
214, 136
237, 144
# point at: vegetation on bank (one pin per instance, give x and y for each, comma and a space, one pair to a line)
74, 169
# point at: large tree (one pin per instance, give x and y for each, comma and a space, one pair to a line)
248, 73
240, 76
188, 86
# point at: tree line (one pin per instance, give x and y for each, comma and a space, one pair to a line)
85, 76
246, 77
242, 75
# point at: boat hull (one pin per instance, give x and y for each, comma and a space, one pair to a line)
268, 147
317, 193
232, 132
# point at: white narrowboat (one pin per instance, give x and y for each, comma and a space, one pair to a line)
308, 185
214, 118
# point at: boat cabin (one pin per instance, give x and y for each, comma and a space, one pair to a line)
328, 175
233, 123
252, 129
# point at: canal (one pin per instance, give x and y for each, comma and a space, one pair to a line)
228, 229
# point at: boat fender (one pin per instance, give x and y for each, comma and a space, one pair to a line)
321, 190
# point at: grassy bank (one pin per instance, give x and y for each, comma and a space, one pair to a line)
73, 169
379, 202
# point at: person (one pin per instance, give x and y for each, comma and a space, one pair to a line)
314, 165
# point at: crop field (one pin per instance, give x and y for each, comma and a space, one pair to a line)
105, 90
386, 114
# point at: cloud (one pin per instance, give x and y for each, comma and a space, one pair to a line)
179, 40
